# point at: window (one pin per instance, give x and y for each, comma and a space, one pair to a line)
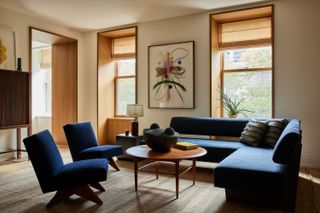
47, 90
45, 66
247, 74
241, 50
123, 55
125, 87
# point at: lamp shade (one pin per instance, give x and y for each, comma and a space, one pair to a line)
135, 110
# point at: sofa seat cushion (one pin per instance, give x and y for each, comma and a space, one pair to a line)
251, 169
106, 151
217, 150
81, 173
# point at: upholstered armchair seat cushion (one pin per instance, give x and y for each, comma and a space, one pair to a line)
83, 143
81, 173
50, 170
251, 169
107, 151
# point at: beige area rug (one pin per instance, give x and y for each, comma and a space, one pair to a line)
20, 192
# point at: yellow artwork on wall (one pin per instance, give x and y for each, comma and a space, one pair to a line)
3, 52
7, 49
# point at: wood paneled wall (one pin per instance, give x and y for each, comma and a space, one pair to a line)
105, 86
116, 126
64, 88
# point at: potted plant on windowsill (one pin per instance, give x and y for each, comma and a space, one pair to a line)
232, 105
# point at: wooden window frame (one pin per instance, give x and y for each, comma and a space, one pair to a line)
116, 79
245, 13
255, 69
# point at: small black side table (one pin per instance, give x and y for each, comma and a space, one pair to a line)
128, 141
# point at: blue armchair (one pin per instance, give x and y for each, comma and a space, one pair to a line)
68, 179
83, 144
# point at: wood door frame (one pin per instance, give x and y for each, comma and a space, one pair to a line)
76, 65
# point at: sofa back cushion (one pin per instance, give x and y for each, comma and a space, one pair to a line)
288, 141
208, 126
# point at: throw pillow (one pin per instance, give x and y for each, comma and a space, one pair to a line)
275, 128
254, 132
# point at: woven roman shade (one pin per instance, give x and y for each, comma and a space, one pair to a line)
122, 47
245, 33
45, 58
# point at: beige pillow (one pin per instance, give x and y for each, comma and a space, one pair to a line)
253, 133
275, 128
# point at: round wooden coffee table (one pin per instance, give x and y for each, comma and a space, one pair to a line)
165, 160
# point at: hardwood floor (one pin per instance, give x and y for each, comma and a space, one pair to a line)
20, 192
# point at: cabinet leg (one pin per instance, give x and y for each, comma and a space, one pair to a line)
18, 143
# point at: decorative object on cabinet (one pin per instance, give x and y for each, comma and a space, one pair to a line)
135, 111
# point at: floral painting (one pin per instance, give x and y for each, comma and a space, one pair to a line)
7, 49
171, 75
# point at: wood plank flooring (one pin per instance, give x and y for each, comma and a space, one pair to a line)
20, 192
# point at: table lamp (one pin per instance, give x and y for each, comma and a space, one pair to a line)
135, 111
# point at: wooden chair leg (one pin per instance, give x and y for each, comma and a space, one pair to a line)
97, 186
59, 196
86, 192
82, 191
113, 164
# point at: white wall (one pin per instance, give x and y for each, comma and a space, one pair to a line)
297, 70
188, 28
20, 24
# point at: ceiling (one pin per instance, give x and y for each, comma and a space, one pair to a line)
85, 15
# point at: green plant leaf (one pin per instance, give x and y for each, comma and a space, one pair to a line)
231, 105
169, 82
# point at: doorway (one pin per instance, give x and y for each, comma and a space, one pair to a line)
54, 82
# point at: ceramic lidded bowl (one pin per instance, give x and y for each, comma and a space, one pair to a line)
160, 140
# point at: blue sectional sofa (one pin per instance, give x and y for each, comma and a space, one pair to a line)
263, 176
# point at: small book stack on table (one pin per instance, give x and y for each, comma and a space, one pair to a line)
185, 146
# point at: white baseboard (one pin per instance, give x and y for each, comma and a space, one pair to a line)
310, 161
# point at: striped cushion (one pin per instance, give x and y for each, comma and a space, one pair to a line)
275, 128
254, 132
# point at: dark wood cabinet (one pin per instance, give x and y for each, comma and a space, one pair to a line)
15, 103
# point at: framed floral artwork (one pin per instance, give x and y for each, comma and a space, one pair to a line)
171, 75
7, 49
